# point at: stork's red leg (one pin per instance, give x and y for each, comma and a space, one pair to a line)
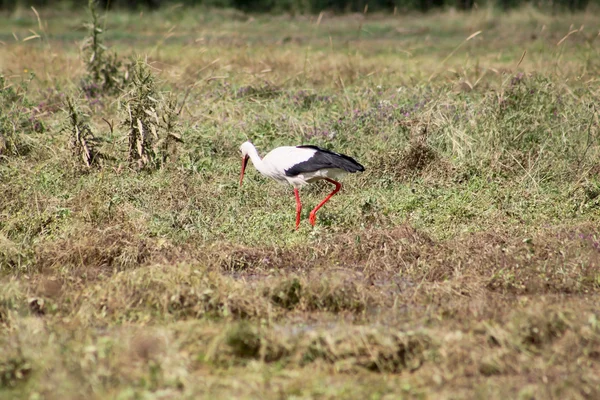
313, 214
298, 207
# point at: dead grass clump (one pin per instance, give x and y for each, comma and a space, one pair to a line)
497, 363
248, 262
538, 328
519, 342
183, 292
334, 295
239, 258
540, 334
177, 292
370, 250
245, 341
287, 294
417, 158
379, 249
321, 291
325, 291
547, 262
93, 252
265, 91
365, 347
346, 348
496, 261
457, 298
551, 262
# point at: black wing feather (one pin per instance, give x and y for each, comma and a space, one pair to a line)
322, 159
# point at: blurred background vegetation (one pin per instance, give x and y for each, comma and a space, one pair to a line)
314, 6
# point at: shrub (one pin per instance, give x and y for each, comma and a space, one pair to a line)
151, 119
105, 72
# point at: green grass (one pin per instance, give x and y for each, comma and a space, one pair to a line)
463, 263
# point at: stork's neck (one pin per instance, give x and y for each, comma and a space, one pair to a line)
256, 160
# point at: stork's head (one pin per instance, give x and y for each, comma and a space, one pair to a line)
245, 149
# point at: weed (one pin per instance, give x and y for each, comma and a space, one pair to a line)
413, 160
151, 119
105, 72
82, 141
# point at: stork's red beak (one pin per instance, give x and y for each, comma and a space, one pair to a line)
244, 163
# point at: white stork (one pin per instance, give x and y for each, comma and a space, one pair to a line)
299, 165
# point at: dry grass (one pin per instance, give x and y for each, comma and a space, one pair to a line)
462, 264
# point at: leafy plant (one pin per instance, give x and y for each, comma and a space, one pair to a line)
83, 143
105, 72
151, 119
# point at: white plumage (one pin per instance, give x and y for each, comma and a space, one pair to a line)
298, 166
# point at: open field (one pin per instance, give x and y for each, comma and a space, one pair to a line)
463, 263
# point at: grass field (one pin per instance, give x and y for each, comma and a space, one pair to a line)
463, 263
